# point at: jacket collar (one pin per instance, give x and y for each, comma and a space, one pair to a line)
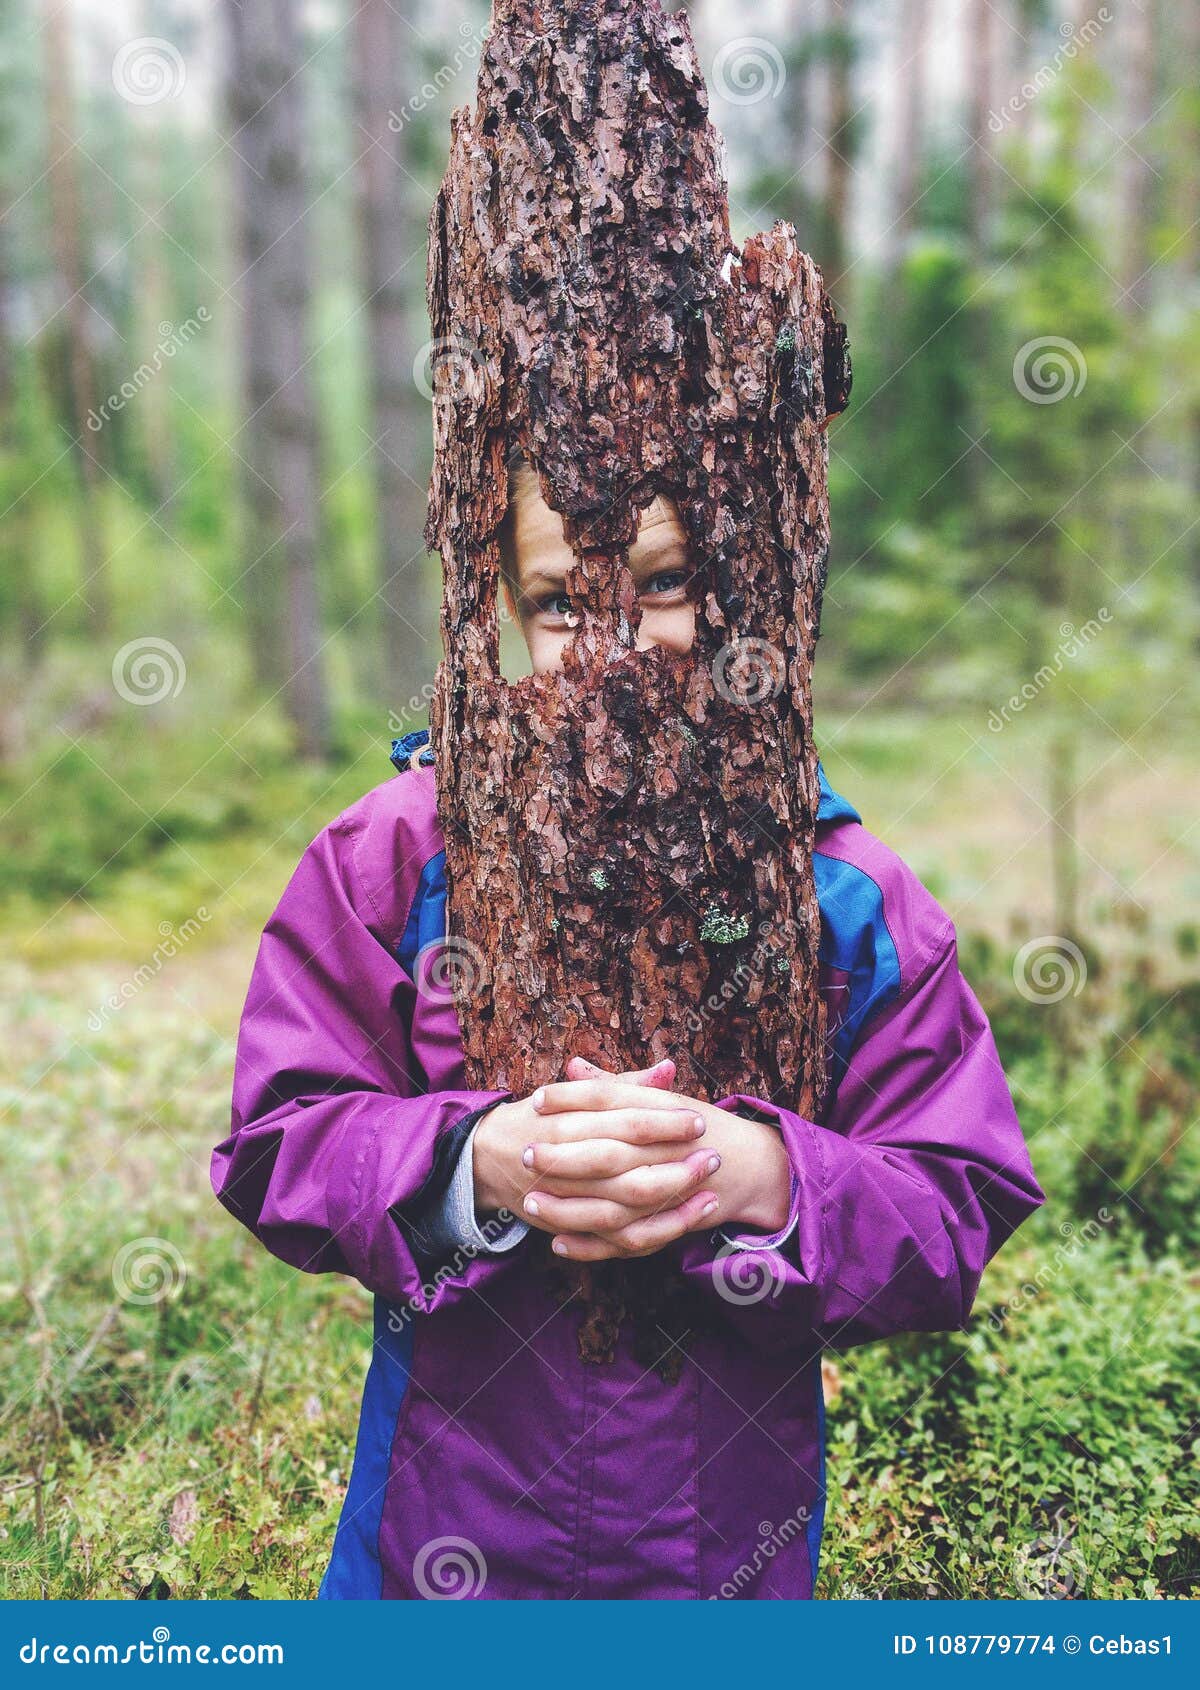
832, 807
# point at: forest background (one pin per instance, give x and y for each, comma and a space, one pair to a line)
216, 610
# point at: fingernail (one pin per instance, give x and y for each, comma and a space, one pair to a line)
559, 1247
539, 1097
527, 1156
714, 1162
708, 1208
531, 1206
697, 1124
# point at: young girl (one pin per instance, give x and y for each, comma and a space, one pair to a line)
492, 1460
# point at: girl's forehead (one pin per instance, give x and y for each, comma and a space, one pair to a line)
539, 533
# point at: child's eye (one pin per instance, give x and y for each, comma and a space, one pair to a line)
670, 581
558, 604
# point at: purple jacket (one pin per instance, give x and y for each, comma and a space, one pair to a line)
491, 1461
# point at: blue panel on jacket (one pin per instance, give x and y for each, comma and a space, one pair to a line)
355, 1572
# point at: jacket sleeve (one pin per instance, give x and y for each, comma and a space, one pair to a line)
333, 1140
900, 1198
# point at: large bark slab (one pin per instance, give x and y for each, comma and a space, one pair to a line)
629, 841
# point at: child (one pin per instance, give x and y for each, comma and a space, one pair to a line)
491, 1460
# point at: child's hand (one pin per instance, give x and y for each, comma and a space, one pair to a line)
620, 1166
752, 1183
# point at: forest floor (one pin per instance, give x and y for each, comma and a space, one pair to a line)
198, 1443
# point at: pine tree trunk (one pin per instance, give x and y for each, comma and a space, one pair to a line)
629, 840
1138, 177
278, 440
69, 249
911, 52
392, 235
840, 140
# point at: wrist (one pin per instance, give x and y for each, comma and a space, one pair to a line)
492, 1191
765, 1202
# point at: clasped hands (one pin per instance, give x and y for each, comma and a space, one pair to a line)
613, 1172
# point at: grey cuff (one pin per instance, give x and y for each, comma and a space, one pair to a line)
452, 1225
770, 1241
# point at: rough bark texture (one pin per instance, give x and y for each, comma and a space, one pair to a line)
629, 841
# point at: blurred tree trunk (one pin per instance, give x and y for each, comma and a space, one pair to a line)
393, 219
1138, 178
912, 52
979, 40
800, 94
20, 597
278, 439
1187, 219
66, 212
154, 319
839, 142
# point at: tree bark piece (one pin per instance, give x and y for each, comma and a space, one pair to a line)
629, 840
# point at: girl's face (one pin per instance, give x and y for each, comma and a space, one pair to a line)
541, 558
